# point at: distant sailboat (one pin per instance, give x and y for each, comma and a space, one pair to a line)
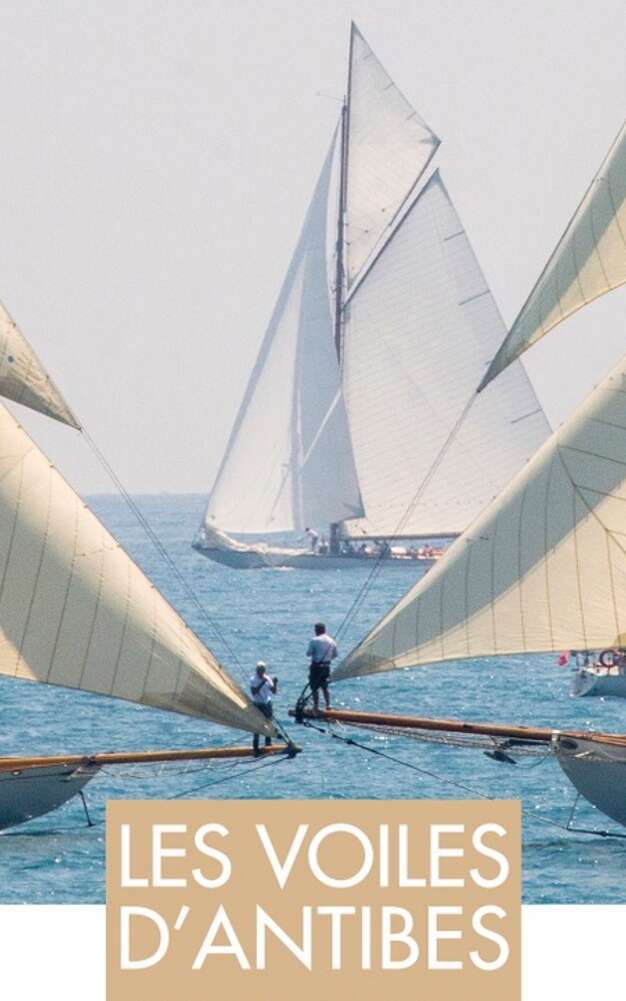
357, 387
543, 568
76, 611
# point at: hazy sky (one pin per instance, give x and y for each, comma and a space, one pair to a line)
159, 156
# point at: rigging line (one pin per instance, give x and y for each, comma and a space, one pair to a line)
369, 581
223, 778
546, 821
161, 550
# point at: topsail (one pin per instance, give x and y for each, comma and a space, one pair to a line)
589, 260
388, 150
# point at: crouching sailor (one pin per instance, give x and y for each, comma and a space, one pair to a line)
263, 688
322, 649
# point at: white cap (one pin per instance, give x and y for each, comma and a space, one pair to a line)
261, 663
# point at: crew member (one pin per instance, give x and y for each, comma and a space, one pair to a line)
322, 649
263, 689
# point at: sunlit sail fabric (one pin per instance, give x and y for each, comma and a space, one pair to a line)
589, 260
288, 463
420, 329
388, 148
23, 378
543, 568
76, 611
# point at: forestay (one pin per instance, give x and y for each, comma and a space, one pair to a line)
420, 329
589, 260
543, 568
76, 611
23, 377
288, 463
388, 149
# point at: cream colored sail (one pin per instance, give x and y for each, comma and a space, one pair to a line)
76, 611
388, 149
23, 378
420, 328
589, 260
543, 568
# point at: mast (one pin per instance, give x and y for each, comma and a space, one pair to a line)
343, 151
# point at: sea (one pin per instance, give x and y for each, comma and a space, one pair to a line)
269, 615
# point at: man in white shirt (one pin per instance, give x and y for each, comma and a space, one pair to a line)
263, 688
322, 649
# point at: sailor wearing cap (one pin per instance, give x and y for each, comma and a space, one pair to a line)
263, 688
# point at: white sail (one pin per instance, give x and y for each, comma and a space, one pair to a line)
388, 149
543, 568
589, 260
23, 377
419, 330
76, 611
288, 463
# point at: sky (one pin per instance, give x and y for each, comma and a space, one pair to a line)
159, 157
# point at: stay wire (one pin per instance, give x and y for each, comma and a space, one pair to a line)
162, 551
373, 574
477, 793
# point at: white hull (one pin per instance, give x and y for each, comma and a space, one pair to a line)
31, 792
255, 560
598, 680
598, 771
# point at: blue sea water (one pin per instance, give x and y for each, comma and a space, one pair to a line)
268, 614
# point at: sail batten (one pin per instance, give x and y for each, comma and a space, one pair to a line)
542, 569
76, 611
588, 261
419, 329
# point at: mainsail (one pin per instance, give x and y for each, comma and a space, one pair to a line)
388, 149
76, 611
23, 377
420, 328
288, 463
543, 568
589, 260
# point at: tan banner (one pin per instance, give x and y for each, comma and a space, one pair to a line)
307, 899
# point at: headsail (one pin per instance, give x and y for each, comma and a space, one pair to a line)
388, 149
23, 377
543, 568
288, 463
589, 260
76, 611
419, 330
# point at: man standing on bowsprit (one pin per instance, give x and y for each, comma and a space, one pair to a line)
322, 649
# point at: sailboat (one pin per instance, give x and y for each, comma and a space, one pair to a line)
543, 567
367, 362
76, 611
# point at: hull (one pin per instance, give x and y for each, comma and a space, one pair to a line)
597, 771
31, 792
597, 680
255, 560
